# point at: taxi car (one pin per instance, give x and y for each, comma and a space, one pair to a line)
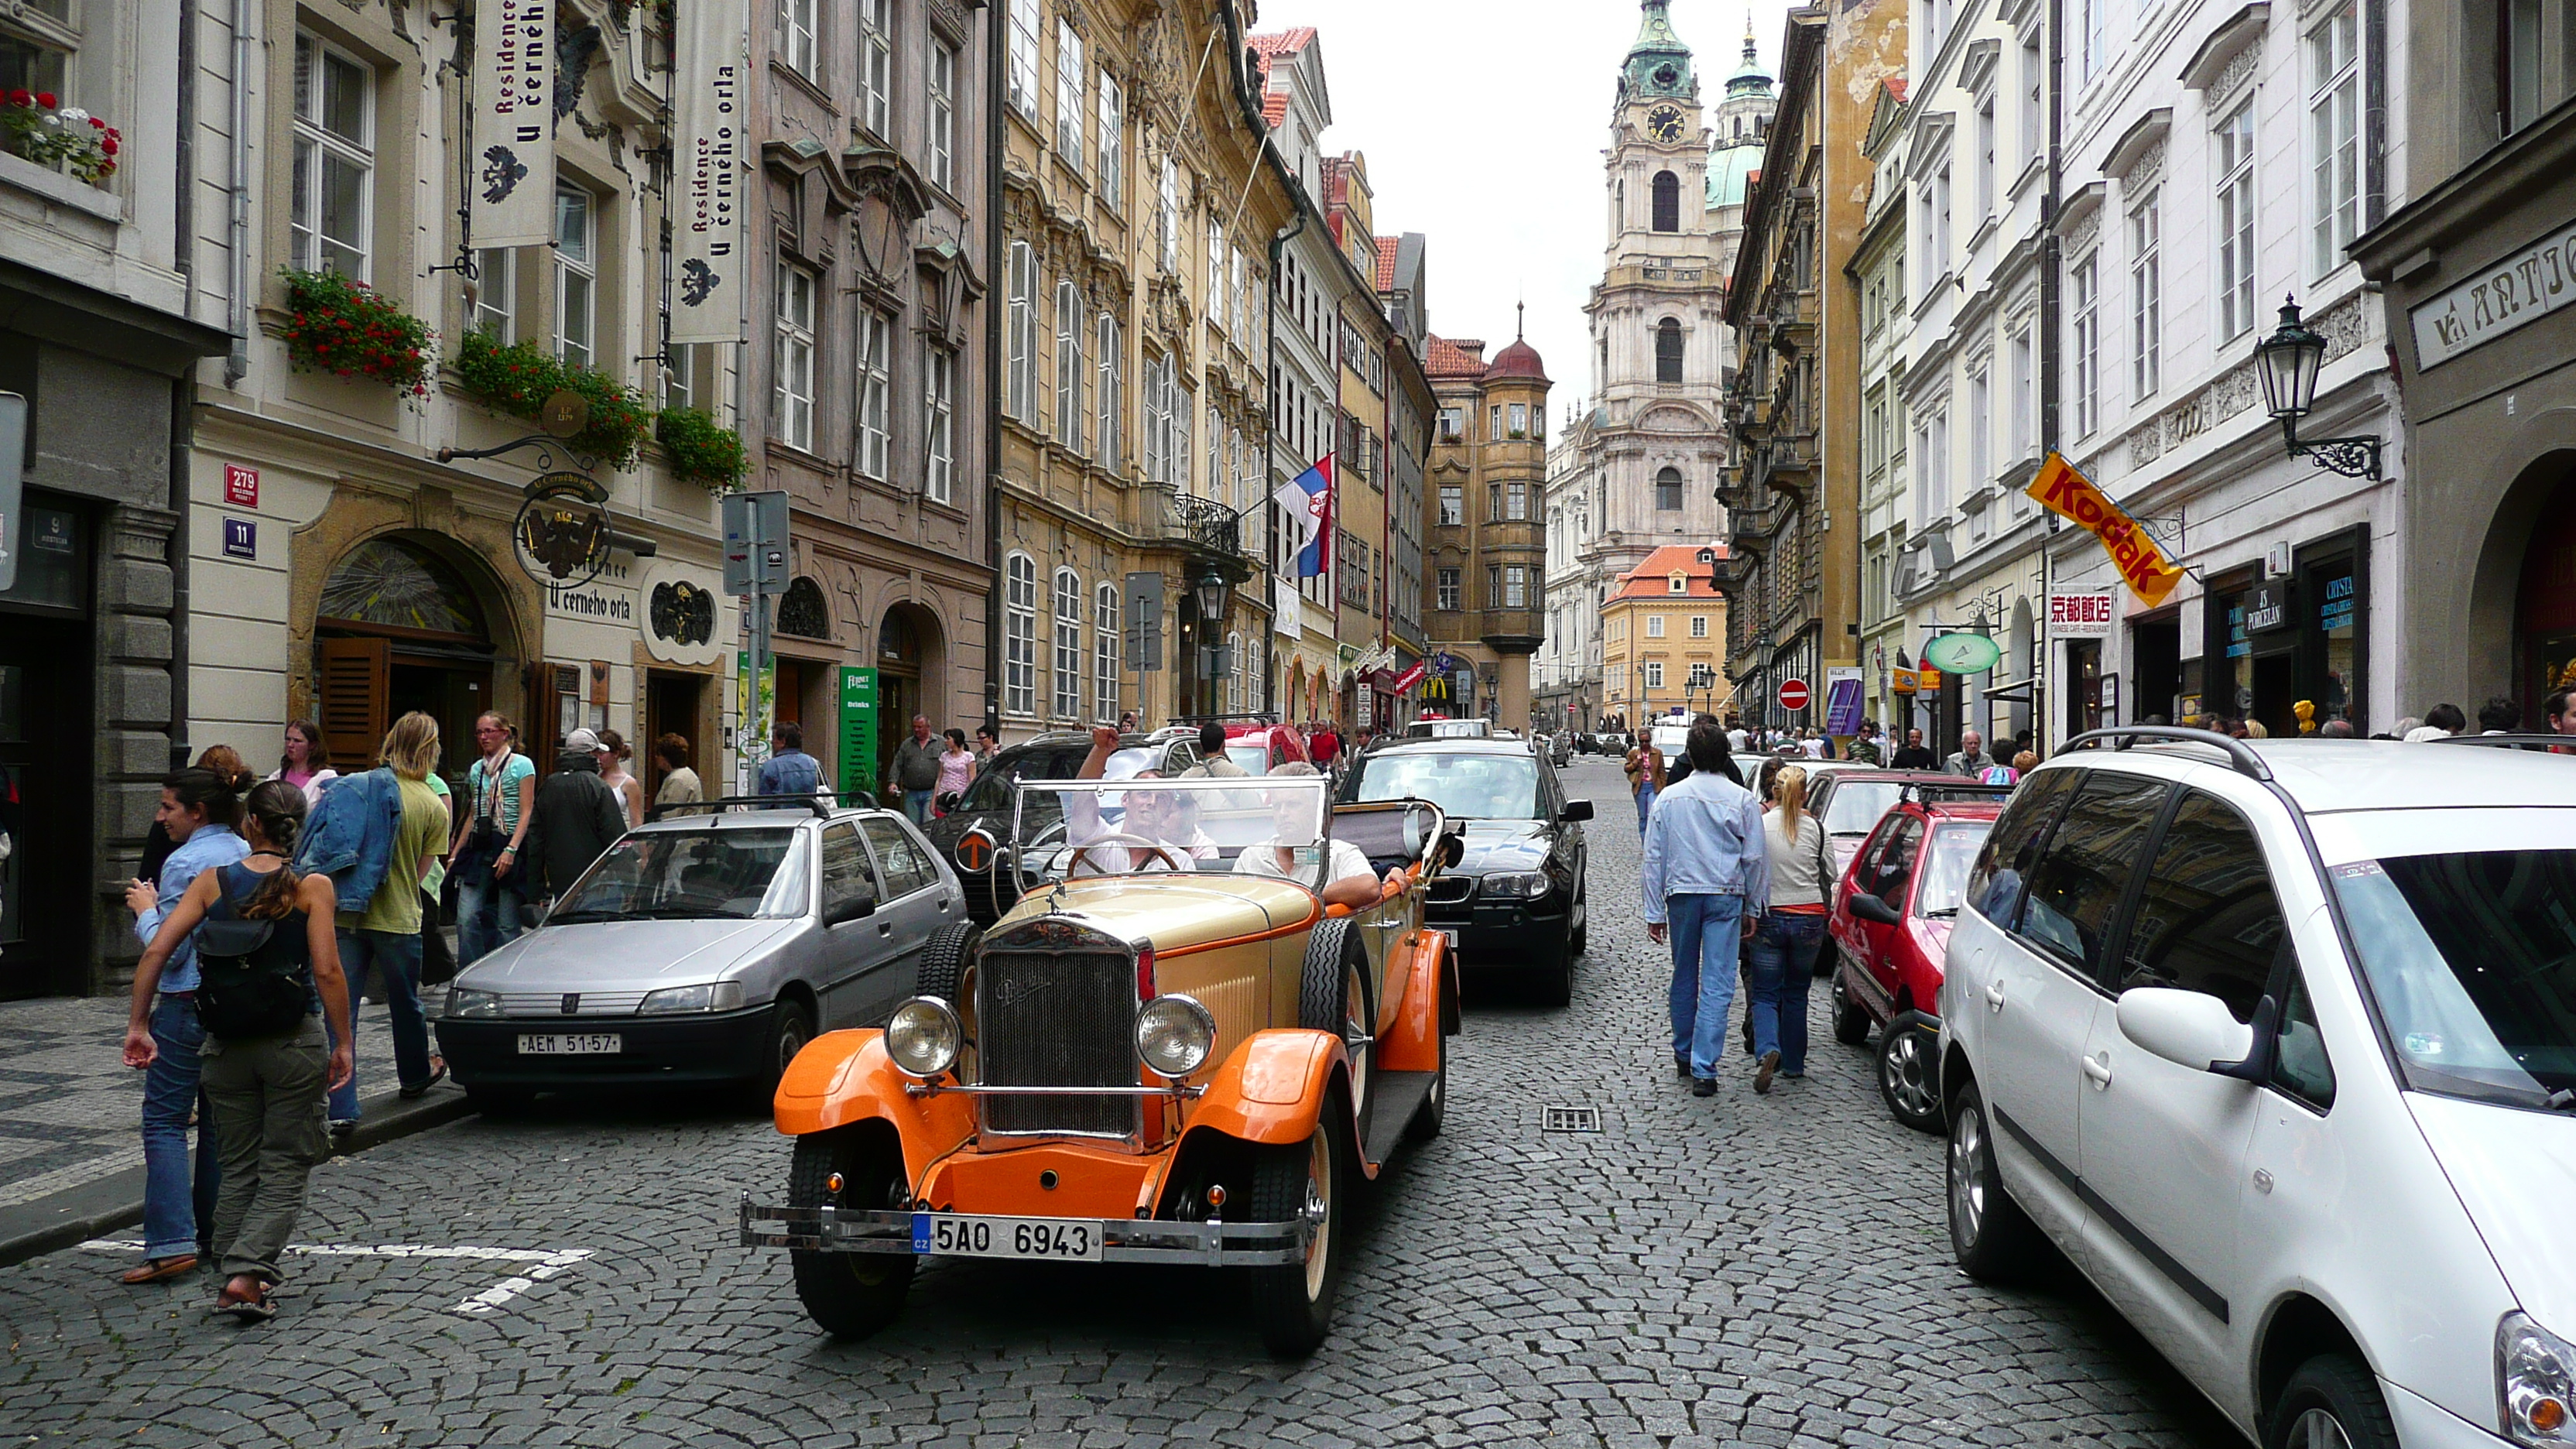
1891, 918
1171, 1049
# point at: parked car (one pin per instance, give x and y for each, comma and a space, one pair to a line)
1262, 746
705, 948
1445, 729
1852, 798
1170, 1051
1516, 902
978, 819
2271, 1038
1891, 920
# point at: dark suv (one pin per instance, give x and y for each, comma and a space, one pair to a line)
979, 819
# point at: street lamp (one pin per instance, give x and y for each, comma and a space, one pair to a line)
2288, 361
1210, 591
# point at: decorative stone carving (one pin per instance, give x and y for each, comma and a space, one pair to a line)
2240, 69
2086, 233
2146, 444
2149, 170
2343, 326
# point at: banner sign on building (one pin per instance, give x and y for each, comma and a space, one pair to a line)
708, 104
2081, 616
514, 124
1842, 699
2072, 496
858, 763
2496, 299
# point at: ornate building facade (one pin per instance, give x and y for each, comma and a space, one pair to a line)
1483, 548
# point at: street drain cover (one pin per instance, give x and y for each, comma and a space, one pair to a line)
1573, 1119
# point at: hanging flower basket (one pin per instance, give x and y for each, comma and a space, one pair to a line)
65, 138
348, 329
519, 378
700, 450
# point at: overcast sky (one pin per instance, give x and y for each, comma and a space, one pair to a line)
1484, 123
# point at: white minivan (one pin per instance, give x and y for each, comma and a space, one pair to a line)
2276, 1041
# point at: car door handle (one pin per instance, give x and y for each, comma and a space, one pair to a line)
1995, 995
2099, 1069
885, 928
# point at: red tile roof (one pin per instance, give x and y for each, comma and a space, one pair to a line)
1653, 578
1464, 358
1896, 86
1386, 246
1285, 42
1274, 108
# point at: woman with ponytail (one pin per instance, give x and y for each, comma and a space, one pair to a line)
269, 976
1781, 956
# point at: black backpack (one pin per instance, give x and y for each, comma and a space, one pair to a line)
253, 980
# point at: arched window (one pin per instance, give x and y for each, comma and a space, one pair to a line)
1668, 350
1105, 651
1668, 201
1068, 644
1668, 491
802, 612
1020, 635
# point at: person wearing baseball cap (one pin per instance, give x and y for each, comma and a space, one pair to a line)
577, 818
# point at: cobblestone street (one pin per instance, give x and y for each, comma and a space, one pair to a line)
1762, 1270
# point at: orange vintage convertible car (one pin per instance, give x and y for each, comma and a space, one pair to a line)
1212, 1013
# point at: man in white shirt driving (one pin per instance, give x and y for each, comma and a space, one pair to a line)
1291, 853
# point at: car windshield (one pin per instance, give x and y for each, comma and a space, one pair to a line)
1856, 805
992, 790
1945, 867
1077, 828
1465, 786
691, 875
2473, 960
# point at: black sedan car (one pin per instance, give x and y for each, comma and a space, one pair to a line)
1516, 903
978, 822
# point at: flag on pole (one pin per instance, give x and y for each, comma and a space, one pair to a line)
1307, 499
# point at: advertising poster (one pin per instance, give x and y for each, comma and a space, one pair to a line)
858, 758
1842, 699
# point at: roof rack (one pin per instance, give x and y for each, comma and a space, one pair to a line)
2240, 756
2518, 740
1920, 792
821, 807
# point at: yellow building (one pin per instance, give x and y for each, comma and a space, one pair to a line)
1663, 636
1361, 335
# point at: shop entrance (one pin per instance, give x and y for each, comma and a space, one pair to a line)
46, 744
2155, 654
671, 703
399, 630
2546, 608
2083, 686
900, 656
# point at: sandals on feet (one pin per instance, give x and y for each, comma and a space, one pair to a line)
437, 1074
258, 1309
153, 1270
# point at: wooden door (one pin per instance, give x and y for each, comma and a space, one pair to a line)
353, 692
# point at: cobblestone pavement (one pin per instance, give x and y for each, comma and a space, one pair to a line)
1757, 1270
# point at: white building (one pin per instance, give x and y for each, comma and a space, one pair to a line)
1877, 271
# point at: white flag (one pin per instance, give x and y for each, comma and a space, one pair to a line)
514, 123
709, 104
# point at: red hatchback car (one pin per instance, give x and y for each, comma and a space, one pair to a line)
1891, 923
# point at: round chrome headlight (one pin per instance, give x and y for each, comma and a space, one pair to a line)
923, 1036
1174, 1035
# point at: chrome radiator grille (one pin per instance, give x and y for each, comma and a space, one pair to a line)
1049, 1020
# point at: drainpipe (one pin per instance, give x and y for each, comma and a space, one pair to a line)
996, 130
2052, 259
237, 318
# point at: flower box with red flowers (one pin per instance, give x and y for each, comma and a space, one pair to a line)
348, 329
34, 124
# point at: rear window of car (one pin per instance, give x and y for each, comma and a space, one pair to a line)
1945, 865
1855, 806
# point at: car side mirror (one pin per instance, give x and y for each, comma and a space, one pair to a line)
2187, 1028
946, 800
856, 908
1870, 908
1575, 810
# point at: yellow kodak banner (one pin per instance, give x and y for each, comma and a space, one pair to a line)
2071, 496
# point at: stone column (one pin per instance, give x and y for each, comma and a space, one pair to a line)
134, 715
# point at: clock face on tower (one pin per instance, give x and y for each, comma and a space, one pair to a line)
1664, 124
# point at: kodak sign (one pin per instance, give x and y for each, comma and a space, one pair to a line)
2072, 496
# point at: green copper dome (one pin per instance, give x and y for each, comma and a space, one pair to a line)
1658, 63
1729, 168
1750, 79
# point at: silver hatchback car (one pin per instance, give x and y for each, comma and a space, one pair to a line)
707, 947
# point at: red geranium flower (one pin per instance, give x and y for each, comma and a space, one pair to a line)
96, 122
45, 99
108, 145
22, 98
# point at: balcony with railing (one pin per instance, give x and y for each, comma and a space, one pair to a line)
1201, 527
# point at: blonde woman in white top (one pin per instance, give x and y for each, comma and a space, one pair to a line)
1780, 959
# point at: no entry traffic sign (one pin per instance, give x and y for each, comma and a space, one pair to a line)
1793, 694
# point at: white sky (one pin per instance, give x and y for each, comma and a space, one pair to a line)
1484, 123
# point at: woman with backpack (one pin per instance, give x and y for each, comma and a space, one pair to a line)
268, 962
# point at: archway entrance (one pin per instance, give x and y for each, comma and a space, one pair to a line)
399, 628
909, 654
2545, 603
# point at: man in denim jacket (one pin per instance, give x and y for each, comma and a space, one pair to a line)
1706, 874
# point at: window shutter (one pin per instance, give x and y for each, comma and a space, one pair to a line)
355, 693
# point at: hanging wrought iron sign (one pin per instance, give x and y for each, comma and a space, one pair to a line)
563, 530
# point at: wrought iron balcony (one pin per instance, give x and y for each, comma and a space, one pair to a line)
1199, 525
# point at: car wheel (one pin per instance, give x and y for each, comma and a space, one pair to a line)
1990, 1236
1579, 940
942, 972
791, 1025
1293, 1302
1552, 985
2332, 1402
1851, 1024
1332, 995
1435, 1103
850, 1295
1908, 1076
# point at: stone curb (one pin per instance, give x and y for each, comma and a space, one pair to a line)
60, 1219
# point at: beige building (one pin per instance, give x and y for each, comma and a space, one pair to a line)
1663, 636
1484, 550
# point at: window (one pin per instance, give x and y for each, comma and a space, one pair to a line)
1185, 412
1020, 635
1494, 423
796, 35
1516, 586
1069, 317
1654, 626
939, 401
1104, 654
1234, 673
1167, 216
1158, 419
37, 41
2236, 222
901, 863
577, 279
1699, 626
1668, 202
2300, 1066
2033, 113
1668, 350
1216, 312
876, 66
791, 359
2088, 344
2089, 41
1453, 505
943, 116
876, 390
496, 292
1986, 154
2076, 886
846, 876
1109, 396
1516, 503
1941, 218
2334, 138
1518, 414
1677, 583
1069, 76
1234, 290
1980, 428
1113, 142
2023, 442
2146, 296
2207, 919
1020, 398
1668, 491
1023, 92
335, 160
1446, 580
1654, 674
1215, 453
1068, 644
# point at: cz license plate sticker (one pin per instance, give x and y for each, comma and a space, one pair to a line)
572, 1044
964, 1235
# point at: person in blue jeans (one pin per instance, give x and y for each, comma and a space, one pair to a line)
1782, 952
1704, 879
199, 809
385, 935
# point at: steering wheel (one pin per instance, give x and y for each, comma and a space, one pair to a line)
1118, 837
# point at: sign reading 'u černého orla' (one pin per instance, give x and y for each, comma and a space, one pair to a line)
2515, 290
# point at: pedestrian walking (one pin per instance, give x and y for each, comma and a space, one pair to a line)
1704, 862
1969, 760
915, 770
1864, 746
1914, 755
1645, 777
577, 816
614, 752
490, 843
383, 933
788, 770
164, 1036
956, 771
269, 975
1783, 947
226, 762
306, 764
1324, 747
680, 784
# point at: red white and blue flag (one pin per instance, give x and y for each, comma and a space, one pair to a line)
1307, 499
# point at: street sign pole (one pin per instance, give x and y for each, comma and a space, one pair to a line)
755, 570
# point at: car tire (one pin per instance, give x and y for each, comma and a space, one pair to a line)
1909, 1077
1336, 968
1293, 1303
1993, 1240
791, 1026
942, 972
1851, 1024
850, 1295
1579, 940
2333, 1399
